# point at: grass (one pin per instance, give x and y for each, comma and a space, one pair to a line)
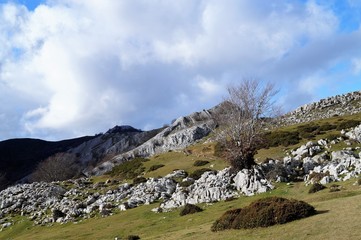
338, 217
184, 160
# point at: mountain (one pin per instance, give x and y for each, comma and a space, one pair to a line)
99, 154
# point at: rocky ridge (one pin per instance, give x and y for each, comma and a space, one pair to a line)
181, 133
339, 105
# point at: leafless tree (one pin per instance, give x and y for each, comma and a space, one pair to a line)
241, 118
58, 167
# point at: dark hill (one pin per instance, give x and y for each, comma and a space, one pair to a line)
19, 157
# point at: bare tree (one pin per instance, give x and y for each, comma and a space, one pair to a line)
241, 119
61, 166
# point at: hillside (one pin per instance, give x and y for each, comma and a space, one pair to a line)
178, 165
19, 157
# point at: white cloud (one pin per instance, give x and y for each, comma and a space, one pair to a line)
356, 65
78, 67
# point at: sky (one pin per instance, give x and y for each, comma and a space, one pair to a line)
70, 68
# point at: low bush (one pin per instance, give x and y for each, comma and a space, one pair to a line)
155, 167
138, 180
346, 124
190, 209
133, 237
199, 172
129, 169
332, 136
316, 187
263, 213
186, 183
199, 163
280, 138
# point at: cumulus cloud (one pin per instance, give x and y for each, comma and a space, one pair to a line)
75, 67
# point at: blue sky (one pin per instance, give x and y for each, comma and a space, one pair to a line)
78, 67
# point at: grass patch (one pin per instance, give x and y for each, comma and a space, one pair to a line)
129, 169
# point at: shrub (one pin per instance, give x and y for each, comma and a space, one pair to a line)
186, 183
263, 213
280, 138
190, 209
155, 167
332, 136
129, 169
327, 127
199, 163
133, 237
347, 124
218, 150
316, 187
198, 173
138, 180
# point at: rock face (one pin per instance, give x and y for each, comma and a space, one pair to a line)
180, 134
117, 140
339, 105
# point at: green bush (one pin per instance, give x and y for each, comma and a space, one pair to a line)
199, 163
133, 237
129, 169
190, 209
138, 180
263, 213
155, 167
327, 127
199, 172
218, 150
332, 136
316, 187
279, 138
185, 183
345, 124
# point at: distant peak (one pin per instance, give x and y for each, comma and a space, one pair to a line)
122, 129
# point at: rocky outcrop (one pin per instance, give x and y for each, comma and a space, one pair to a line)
314, 162
252, 181
61, 202
339, 105
354, 134
180, 134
